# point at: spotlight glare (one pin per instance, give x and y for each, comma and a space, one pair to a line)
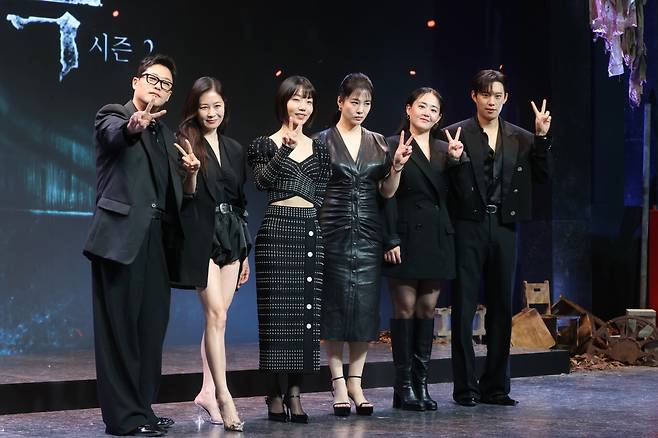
412, 72
278, 73
115, 13
431, 24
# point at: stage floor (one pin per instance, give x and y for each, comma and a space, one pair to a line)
79, 365
620, 402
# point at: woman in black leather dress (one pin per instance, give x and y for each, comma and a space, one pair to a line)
419, 240
361, 171
217, 241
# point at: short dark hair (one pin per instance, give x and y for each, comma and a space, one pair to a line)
414, 96
164, 60
285, 92
484, 79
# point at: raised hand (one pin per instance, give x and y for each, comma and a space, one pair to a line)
393, 256
140, 120
190, 162
293, 135
542, 118
455, 147
403, 152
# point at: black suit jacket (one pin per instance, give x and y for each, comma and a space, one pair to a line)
417, 218
125, 187
198, 217
526, 158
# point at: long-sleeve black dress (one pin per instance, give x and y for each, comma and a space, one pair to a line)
352, 231
417, 218
289, 257
215, 221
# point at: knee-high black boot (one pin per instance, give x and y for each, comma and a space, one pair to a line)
422, 350
402, 343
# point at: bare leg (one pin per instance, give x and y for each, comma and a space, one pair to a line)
358, 352
335, 363
206, 397
216, 299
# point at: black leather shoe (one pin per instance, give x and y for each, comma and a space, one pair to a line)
502, 400
165, 422
147, 430
467, 401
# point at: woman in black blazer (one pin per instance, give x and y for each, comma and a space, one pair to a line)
419, 248
214, 256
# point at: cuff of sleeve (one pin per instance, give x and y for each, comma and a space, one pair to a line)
392, 243
544, 141
130, 138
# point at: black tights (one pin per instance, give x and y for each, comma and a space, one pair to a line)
414, 298
294, 383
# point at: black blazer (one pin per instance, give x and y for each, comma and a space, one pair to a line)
125, 189
198, 217
526, 158
417, 218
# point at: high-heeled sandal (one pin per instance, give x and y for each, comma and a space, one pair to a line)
294, 418
340, 410
199, 407
361, 408
281, 417
236, 426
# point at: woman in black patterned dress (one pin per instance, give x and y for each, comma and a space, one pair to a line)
289, 254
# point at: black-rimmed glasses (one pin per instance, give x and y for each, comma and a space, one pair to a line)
151, 79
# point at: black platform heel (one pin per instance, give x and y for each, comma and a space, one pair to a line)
281, 417
340, 410
294, 418
361, 409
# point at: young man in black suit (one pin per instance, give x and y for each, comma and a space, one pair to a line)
493, 167
140, 188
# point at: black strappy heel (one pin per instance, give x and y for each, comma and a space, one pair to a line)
340, 410
294, 418
361, 409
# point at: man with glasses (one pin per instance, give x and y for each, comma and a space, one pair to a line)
492, 169
140, 188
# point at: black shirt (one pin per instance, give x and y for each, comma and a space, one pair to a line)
493, 168
160, 161
226, 186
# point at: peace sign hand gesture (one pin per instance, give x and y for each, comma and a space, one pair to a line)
190, 162
455, 147
403, 152
542, 118
291, 137
140, 120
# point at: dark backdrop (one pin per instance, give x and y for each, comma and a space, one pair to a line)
47, 175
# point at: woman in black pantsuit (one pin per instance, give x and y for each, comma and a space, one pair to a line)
294, 170
420, 249
214, 254
361, 171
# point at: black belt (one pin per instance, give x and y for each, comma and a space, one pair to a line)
491, 209
225, 208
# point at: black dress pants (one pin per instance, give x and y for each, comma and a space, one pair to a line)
485, 251
131, 312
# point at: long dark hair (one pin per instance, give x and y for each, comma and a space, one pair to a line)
189, 128
414, 96
351, 83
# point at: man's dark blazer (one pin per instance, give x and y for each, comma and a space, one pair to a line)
526, 158
125, 189
198, 217
417, 219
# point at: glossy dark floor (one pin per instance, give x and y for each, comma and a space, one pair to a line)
621, 402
